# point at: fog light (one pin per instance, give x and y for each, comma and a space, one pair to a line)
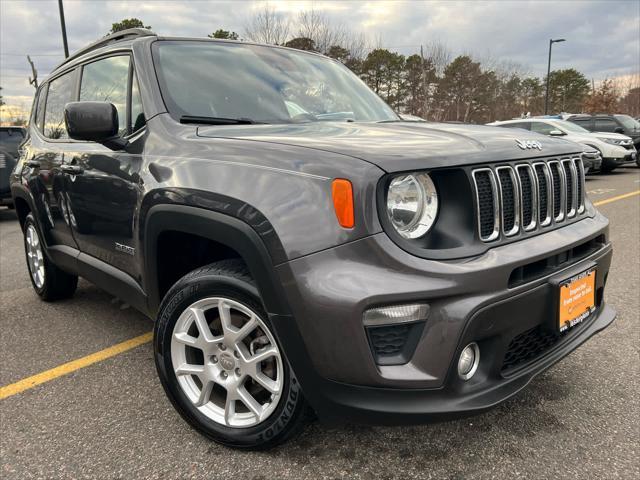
396, 314
468, 361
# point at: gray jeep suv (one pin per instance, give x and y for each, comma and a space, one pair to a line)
300, 247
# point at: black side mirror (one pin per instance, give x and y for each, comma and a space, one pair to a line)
92, 121
618, 130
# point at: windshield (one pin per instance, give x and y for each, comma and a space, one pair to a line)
628, 122
571, 127
262, 84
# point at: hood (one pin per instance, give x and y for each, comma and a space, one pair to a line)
399, 146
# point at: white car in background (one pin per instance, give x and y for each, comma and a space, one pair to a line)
616, 149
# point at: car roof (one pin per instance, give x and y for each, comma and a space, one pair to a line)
126, 38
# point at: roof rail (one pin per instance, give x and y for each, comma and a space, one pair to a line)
127, 34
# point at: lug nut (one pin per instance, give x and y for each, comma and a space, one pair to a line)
214, 359
223, 347
236, 354
223, 374
238, 373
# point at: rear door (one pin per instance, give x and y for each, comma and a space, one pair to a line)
105, 193
45, 160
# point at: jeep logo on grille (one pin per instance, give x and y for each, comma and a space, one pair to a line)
529, 144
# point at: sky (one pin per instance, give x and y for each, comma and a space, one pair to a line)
603, 36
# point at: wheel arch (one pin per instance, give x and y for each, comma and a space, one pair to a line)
23, 203
220, 228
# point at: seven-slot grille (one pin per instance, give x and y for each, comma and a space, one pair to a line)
526, 196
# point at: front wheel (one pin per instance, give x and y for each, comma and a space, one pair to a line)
608, 165
220, 363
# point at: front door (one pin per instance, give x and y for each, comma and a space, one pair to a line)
106, 188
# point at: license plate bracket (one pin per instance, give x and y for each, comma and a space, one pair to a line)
576, 299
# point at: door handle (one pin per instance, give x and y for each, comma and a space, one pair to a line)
32, 164
72, 169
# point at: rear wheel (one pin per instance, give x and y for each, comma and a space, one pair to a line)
220, 363
49, 282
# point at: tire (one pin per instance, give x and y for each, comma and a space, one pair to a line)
608, 166
49, 282
221, 360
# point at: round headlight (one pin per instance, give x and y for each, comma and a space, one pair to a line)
412, 204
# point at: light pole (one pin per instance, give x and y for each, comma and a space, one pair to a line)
546, 98
64, 29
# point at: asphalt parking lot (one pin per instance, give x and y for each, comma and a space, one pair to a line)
580, 419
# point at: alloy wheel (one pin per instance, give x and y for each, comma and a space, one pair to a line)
227, 362
35, 258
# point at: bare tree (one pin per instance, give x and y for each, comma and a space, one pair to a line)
267, 26
439, 54
33, 81
324, 32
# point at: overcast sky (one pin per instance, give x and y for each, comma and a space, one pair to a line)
603, 37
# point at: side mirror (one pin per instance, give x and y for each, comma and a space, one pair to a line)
618, 130
92, 121
557, 133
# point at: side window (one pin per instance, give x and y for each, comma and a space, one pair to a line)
605, 125
137, 115
61, 91
39, 114
543, 128
106, 81
583, 122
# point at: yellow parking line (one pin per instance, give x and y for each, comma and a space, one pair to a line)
65, 368
615, 199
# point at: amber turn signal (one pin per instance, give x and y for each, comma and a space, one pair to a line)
342, 193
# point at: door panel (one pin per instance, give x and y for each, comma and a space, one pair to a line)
105, 189
103, 201
45, 159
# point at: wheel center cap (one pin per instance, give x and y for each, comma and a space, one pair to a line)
227, 361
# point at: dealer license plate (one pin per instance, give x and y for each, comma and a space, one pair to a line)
577, 299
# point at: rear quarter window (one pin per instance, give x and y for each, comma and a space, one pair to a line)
39, 114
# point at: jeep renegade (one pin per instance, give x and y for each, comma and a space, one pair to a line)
300, 247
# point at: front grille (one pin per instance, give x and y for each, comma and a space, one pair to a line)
523, 197
558, 190
528, 346
510, 200
580, 187
529, 197
487, 200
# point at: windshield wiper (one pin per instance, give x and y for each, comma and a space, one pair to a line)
216, 120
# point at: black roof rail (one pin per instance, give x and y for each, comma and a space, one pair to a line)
127, 34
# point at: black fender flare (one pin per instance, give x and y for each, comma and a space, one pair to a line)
220, 228
21, 192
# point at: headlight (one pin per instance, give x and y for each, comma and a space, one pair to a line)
412, 204
612, 141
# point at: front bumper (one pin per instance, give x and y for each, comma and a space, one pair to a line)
625, 155
471, 300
